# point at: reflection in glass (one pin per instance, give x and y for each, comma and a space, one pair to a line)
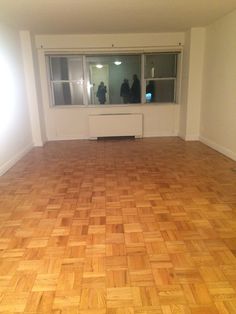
113, 79
67, 79
69, 68
161, 65
160, 91
67, 93
114, 72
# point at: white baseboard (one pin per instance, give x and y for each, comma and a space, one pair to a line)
189, 137
223, 150
10, 163
76, 137
181, 136
67, 138
39, 144
160, 134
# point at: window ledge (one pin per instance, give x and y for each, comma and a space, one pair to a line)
112, 106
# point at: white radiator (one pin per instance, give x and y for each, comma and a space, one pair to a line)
121, 124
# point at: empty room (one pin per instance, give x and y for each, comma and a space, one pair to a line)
118, 157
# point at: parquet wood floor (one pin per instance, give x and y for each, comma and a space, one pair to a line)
119, 227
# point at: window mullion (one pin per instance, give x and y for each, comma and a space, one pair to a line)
52, 93
85, 83
64, 81
175, 90
143, 81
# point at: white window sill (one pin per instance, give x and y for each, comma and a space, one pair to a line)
112, 106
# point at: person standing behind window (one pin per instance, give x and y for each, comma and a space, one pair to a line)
125, 91
150, 89
135, 90
101, 93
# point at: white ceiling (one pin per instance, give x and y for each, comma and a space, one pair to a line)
111, 16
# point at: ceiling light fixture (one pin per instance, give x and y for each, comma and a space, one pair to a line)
99, 66
117, 62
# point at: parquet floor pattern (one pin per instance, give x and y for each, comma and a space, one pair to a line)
119, 227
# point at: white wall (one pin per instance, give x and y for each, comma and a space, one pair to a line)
196, 63
184, 86
193, 63
31, 88
218, 116
15, 131
38, 89
72, 122
95, 41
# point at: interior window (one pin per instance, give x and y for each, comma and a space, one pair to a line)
113, 79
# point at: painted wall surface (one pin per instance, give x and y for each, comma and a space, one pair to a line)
15, 131
31, 88
72, 122
184, 87
193, 62
218, 115
196, 63
95, 41
38, 89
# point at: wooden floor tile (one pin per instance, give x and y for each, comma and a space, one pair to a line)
197, 294
221, 290
171, 295
117, 249
142, 278
96, 311
92, 298
138, 262
226, 307
66, 299
93, 280
116, 263
176, 309
123, 310
13, 301
119, 297
21, 282
39, 302
45, 282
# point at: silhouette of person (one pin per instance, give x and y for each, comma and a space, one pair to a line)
135, 90
125, 91
101, 93
150, 89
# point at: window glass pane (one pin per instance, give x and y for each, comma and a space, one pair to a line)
66, 68
161, 65
67, 93
114, 79
160, 91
